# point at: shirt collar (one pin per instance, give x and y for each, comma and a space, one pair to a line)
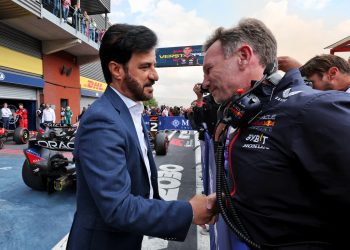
130, 104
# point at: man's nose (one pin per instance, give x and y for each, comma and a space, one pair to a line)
154, 75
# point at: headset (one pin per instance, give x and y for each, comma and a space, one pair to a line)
242, 108
238, 111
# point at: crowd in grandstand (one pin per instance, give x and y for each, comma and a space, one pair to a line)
76, 17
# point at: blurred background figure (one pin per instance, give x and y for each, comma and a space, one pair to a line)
66, 5
49, 116
82, 113
22, 114
5, 116
63, 114
68, 116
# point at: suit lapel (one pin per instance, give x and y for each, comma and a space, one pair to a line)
125, 115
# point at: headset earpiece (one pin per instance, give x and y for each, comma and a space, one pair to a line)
242, 108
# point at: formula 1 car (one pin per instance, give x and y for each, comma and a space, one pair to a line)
19, 136
159, 139
47, 167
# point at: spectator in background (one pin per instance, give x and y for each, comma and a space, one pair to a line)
153, 111
22, 113
76, 16
165, 112
85, 23
56, 7
92, 29
49, 116
349, 59
204, 111
66, 5
326, 72
101, 34
5, 116
63, 111
188, 113
39, 115
82, 113
68, 116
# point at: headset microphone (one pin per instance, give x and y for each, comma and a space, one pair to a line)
241, 109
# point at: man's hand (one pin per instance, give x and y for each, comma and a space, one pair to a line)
198, 91
204, 209
286, 63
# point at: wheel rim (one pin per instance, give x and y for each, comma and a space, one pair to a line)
25, 136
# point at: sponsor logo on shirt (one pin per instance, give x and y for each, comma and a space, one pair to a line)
287, 93
256, 141
264, 123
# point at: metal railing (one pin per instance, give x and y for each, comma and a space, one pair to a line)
75, 18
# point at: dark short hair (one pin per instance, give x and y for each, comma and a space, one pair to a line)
122, 40
322, 63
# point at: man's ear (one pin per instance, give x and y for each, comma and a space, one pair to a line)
117, 71
332, 72
245, 53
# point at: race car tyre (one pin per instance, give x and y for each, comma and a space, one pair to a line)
1, 144
32, 180
161, 143
21, 135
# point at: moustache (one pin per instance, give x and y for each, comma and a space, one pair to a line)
149, 84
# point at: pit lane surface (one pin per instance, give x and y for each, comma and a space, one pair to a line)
35, 220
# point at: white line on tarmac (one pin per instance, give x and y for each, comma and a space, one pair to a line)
5, 168
171, 135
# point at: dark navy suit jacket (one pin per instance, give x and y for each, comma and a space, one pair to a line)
113, 208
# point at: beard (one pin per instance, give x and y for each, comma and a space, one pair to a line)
137, 89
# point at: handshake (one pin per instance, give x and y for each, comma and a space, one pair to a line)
204, 209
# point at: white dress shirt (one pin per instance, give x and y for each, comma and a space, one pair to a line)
136, 109
48, 115
5, 112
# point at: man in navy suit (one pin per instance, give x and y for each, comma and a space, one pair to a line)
117, 191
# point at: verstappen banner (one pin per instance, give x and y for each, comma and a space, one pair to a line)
180, 56
155, 123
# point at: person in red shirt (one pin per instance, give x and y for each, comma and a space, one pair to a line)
23, 116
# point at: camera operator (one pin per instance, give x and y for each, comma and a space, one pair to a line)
204, 111
288, 159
